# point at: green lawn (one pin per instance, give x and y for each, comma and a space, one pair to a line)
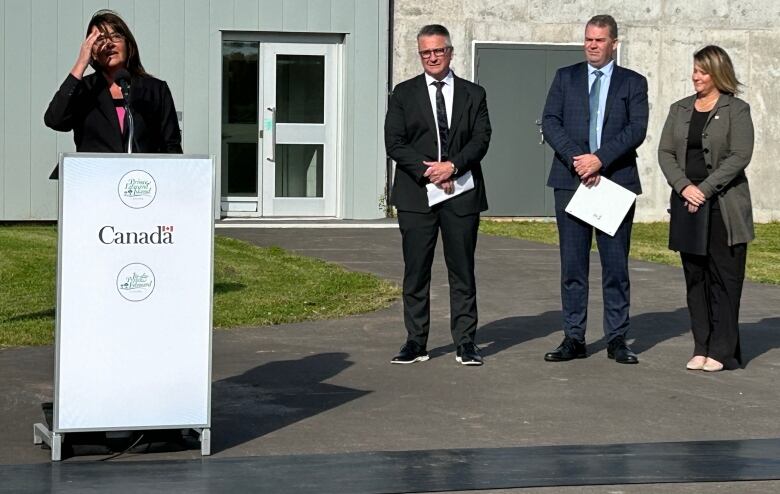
649, 243
259, 286
252, 286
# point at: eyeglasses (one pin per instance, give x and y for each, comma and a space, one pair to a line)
439, 52
112, 37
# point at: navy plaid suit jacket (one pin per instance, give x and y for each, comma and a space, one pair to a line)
565, 124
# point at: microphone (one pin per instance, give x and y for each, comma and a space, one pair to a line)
122, 77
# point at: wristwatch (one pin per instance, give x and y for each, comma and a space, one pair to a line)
454, 168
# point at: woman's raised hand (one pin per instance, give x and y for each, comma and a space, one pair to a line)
85, 54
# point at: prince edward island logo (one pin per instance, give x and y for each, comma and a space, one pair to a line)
135, 282
137, 189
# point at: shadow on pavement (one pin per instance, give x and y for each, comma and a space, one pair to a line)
274, 395
502, 334
758, 338
647, 330
651, 328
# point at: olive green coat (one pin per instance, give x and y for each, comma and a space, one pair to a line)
727, 143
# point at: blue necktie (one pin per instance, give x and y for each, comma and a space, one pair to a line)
595, 89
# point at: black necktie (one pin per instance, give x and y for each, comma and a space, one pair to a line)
441, 120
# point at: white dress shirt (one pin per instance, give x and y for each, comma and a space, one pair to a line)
448, 92
603, 90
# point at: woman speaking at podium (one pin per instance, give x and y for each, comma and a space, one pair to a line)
94, 106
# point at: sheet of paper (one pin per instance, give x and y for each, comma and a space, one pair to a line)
603, 206
462, 184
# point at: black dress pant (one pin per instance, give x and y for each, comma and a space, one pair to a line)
419, 233
714, 285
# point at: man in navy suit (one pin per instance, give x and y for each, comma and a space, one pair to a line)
595, 118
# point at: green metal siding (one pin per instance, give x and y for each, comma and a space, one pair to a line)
367, 96
17, 115
43, 145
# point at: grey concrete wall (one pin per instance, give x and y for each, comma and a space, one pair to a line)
658, 40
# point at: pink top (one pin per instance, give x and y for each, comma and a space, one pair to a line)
120, 113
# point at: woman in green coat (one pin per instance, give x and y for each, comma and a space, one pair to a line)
706, 144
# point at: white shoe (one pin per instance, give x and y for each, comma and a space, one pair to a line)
712, 365
696, 363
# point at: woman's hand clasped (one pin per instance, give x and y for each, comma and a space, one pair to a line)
694, 198
693, 195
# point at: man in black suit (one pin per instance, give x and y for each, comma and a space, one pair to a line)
595, 118
437, 129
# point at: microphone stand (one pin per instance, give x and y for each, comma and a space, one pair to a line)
130, 128
123, 79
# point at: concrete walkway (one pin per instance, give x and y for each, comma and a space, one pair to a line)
328, 387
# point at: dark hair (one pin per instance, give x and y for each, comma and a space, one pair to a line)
108, 18
605, 20
435, 30
714, 61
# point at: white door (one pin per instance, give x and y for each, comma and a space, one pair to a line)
299, 119
294, 170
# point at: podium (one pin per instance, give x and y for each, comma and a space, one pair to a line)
134, 296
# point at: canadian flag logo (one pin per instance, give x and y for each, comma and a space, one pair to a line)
168, 228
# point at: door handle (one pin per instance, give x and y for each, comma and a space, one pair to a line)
541, 132
271, 126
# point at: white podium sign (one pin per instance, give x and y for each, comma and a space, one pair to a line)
134, 292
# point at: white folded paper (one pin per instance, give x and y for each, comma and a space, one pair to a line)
603, 206
462, 184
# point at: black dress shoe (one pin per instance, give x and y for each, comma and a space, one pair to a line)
468, 354
620, 352
410, 353
570, 349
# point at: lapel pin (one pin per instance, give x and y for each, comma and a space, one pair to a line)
717, 117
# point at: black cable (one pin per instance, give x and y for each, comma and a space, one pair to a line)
125, 451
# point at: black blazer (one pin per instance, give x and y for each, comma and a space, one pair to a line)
411, 138
85, 107
565, 124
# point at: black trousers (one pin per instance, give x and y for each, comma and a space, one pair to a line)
714, 286
419, 233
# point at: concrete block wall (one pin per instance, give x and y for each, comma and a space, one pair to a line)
657, 39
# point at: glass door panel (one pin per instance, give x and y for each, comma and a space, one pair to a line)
240, 129
299, 170
300, 89
241, 158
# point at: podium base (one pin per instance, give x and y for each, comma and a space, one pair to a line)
204, 436
42, 434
